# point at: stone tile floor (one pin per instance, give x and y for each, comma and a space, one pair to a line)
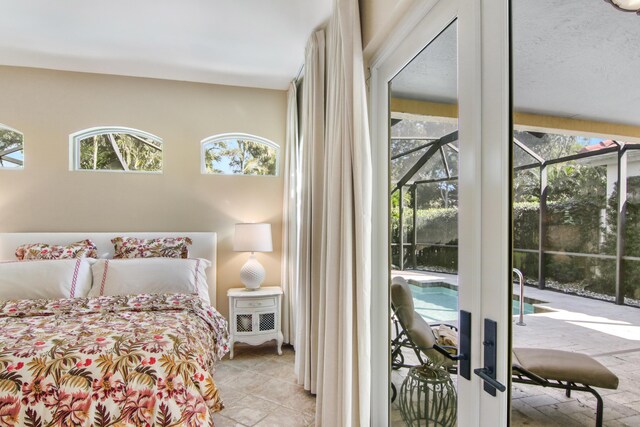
259, 389
605, 331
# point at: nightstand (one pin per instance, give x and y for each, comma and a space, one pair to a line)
254, 316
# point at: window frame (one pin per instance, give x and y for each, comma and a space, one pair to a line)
18, 167
237, 135
76, 137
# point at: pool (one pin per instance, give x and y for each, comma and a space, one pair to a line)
438, 302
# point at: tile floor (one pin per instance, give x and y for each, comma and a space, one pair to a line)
259, 389
605, 331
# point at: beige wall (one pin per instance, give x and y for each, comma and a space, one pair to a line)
373, 16
378, 18
49, 105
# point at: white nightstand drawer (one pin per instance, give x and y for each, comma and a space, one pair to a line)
255, 303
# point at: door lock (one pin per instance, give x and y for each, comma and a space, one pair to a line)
488, 373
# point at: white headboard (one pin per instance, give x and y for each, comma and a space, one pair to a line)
204, 245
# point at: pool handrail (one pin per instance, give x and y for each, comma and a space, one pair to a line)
520, 321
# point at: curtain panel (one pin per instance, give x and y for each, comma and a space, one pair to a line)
333, 340
290, 233
311, 195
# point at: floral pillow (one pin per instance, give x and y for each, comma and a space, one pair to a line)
166, 247
33, 251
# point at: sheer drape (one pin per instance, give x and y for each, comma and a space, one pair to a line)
290, 258
333, 348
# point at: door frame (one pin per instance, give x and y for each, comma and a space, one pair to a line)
484, 209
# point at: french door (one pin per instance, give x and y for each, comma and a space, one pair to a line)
483, 190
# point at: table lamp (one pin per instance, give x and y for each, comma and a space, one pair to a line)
252, 238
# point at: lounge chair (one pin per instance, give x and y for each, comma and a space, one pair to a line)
413, 332
565, 370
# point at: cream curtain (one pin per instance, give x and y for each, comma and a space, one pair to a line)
336, 225
311, 196
291, 255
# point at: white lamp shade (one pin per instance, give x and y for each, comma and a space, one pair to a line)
252, 238
627, 4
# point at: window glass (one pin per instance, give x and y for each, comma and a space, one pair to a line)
239, 154
11, 148
117, 149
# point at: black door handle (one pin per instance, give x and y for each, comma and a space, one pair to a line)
486, 376
488, 373
464, 368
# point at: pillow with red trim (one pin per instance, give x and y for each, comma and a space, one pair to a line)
50, 279
150, 276
82, 249
166, 247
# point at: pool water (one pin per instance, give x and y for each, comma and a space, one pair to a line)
438, 302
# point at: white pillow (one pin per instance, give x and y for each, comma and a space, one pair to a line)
51, 279
150, 276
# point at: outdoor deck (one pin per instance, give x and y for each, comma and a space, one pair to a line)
603, 330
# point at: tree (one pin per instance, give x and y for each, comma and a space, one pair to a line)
9, 140
245, 157
138, 154
212, 156
631, 268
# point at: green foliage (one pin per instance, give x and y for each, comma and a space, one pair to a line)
437, 195
434, 225
9, 140
527, 263
631, 269
526, 186
395, 215
98, 153
525, 225
401, 165
244, 157
576, 199
550, 146
437, 258
439, 225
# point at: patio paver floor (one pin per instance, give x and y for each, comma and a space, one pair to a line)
603, 330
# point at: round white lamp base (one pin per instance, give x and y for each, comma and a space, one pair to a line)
252, 273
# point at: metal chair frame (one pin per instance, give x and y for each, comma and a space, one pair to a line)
523, 376
402, 340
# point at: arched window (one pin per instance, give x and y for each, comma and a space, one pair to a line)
116, 149
11, 148
239, 154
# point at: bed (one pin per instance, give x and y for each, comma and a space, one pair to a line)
110, 360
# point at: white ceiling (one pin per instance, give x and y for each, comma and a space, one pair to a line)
256, 43
572, 58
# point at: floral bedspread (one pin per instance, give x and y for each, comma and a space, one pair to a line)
143, 360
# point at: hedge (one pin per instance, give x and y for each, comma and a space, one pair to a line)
573, 225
